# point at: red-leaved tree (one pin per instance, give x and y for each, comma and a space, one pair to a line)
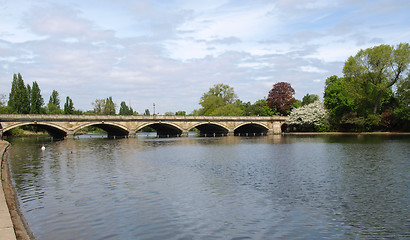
281, 98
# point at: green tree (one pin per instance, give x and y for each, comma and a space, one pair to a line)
402, 112
109, 107
180, 113
232, 109
99, 105
3, 107
53, 106
309, 98
19, 100
68, 106
259, 108
36, 100
372, 72
217, 96
336, 99
146, 112
125, 110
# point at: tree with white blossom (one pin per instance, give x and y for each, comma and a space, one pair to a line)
309, 117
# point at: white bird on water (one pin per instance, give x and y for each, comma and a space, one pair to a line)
43, 148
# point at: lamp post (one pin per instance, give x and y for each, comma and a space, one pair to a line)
154, 109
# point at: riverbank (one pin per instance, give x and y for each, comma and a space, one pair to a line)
12, 222
347, 133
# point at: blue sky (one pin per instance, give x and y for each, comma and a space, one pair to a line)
170, 52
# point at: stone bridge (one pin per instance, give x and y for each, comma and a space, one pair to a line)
61, 126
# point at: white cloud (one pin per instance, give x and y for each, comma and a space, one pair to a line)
171, 52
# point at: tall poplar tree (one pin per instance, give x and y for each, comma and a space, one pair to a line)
36, 100
109, 107
19, 100
53, 105
68, 106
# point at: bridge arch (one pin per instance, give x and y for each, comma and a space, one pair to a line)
52, 129
112, 129
163, 129
251, 129
208, 129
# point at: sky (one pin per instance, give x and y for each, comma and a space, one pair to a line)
170, 52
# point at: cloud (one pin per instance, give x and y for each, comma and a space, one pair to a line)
171, 52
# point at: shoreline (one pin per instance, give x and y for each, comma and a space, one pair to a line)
346, 133
21, 229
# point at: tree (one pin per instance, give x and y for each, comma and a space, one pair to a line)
309, 117
147, 113
3, 108
68, 106
99, 105
259, 108
109, 107
12, 94
337, 100
281, 98
54, 99
36, 100
309, 98
19, 101
53, 106
373, 71
217, 96
401, 114
125, 110
180, 113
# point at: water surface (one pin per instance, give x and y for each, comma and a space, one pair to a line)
274, 187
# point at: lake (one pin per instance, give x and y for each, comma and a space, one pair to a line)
271, 187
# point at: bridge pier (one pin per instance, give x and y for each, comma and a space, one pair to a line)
70, 135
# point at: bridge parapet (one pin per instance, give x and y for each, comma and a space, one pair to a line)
61, 117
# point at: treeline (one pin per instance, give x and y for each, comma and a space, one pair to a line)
27, 99
372, 95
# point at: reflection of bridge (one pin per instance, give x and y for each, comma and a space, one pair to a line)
60, 126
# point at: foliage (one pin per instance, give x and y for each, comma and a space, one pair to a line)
125, 110
297, 104
109, 107
19, 101
69, 106
17, 132
259, 108
309, 117
228, 110
99, 106
3, 107
372, 72
401, 114
180, 113
281, 98
336, 100
214, 101
53, 106
36, 100
146, 112
309, 98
